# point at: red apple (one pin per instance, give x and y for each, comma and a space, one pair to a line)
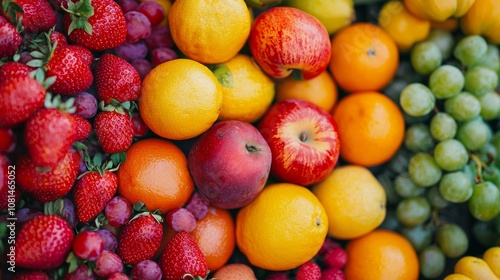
283, 39
230, 164
304, 141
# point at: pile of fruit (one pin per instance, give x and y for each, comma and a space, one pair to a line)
250, 139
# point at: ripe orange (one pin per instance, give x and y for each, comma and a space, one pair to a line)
371, 128
364, 57
215, 235
381, 254
234, 271
155, 173
282, 228
320, 90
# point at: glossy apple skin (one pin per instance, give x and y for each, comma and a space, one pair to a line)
285, 38
304, 141
230, 164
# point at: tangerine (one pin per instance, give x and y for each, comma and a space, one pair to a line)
234, 271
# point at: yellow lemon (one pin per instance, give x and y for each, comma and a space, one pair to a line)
354, 201
180, 99
282, 228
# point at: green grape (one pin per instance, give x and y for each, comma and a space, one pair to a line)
435, 198
491, 58
413, 211
492, 174
470, 49
487, 153
405, 187
456, 187
409, 120
391, 221
418, 138
385, 180
419, 236
399, 162
495, 141
484, 204
432, 262
452, 239
463, 107
451, 155
424, 170
490, 106
444, 40
485, 233
406, 73
443, 126
425, 57
474, 134
480, 80
417, 99
393, 90
446, 81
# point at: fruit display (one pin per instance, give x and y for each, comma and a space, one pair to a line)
250, 139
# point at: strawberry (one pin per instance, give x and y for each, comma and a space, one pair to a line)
30, 275
46, 184
84, 53
43, 242
14, 69
38, 15
114, 131
182, 257
83, 127
56, 36
116, 79
308, 271
97, 25
49, 134
6, 193
92, 192
335, 257
140, 238
10, 39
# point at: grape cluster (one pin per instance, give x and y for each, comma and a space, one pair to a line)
451, 154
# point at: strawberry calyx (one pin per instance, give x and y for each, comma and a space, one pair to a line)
98, 163
194, 277
14, 12
42, 51
139, 210
56, 102
79, 13
115, 105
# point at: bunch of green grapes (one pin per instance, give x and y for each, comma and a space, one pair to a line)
451, 153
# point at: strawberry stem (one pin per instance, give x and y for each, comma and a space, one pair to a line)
80, 12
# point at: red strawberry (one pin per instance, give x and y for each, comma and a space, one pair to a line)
335, 257
43, 242
20, 96
308, 271
10, 39
140, 238
47, 184
71, 70
30, 275
56, 36
14, 69
183, 256
84, 53
6, 191
83, 127
102, 30
38, 15
49, 134
116, 79
114, 131
7, 140
92, 192
332, 273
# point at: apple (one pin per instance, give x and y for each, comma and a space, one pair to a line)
283, 39
304, 141
230, 164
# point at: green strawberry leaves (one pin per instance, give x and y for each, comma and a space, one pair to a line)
80, 12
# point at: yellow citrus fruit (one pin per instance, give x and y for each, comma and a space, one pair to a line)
247, 91
180, 99
209, 31
320, 90
354, 201
282, 228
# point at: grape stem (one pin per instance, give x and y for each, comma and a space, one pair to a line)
479, 165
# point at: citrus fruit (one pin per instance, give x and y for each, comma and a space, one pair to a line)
209, 31
381, 254
333, 14
364, 57
155, 173
371, 128
185, 106
235, 271
354, 201
320, 90
247, 91
214, 234
282, 228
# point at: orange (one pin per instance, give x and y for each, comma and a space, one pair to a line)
371, 128
180, 99
155, 173
209, 31
214, 234
364, 57
381, 254
320, 90
235, 271
354, 201
282, 228
247, 91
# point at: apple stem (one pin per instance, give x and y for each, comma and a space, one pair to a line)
303, 136
251, 148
